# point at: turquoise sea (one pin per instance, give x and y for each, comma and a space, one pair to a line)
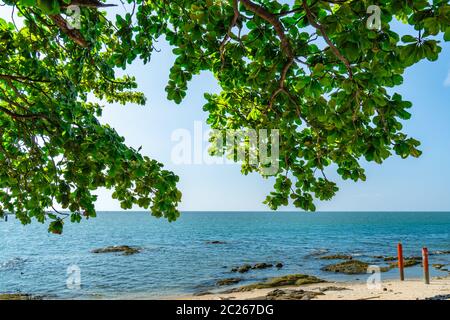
176, 258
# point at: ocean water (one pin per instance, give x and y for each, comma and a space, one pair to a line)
176, 258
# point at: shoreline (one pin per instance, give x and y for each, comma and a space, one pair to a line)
410, 289
389, 289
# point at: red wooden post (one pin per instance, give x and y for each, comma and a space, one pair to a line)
400, 261
426, 271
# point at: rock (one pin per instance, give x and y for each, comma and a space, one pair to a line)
350, 267
246, 267
288, 280
262, 266
229, 281
440, 252
279, 265
215, 242
18, 296
408, 262
414, 258
392, 258
332, 288
389, 258
337, 257
203, 293
288, 294
411, 262
126, 250
242, 269
438, 265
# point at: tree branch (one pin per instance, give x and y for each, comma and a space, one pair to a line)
273, 20
285, 45
228, 35
88, 4
22, 116
20, 78
321, 28
73, 34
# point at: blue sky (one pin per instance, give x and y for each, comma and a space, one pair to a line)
397, 184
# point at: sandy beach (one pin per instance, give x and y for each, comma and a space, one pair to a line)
410, 289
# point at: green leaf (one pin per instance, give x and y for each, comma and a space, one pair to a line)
447, 34
56, 227
408, 39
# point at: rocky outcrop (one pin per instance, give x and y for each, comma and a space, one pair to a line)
351, 267
262, 265
389, 258
125, 250
242, 269
287, 294
247, 267
287, 280
408, 262
332, 288
228, 281
360, 267
392, 258
337, 257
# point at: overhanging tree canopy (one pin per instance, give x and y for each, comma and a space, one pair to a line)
311, 69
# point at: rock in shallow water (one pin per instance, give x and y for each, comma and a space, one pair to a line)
229, 281
215, 242
407, 263
287, 280
246, 267
125, 250
262, 265
337, 257
351, 267
242, 269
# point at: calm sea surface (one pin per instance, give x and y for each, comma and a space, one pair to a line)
176, 258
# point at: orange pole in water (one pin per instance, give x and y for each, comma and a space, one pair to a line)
400, 261
426, 271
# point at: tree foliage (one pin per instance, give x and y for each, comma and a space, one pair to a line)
312, 69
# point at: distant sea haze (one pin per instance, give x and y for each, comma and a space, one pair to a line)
193, 253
